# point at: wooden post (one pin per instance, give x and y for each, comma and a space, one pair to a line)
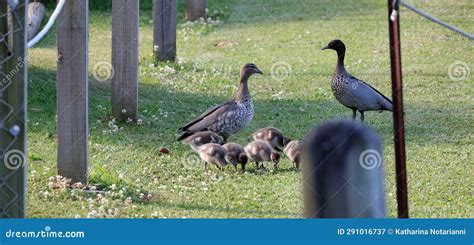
35, 16
343, 172
398, 119
13, 93
72, 90
125, 41
195, 9
164, 29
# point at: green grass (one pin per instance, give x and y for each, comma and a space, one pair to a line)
137, 181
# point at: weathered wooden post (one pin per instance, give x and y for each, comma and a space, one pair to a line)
343, 172
195, 9
13, 92
125, 41
35, 16
164, 29
72, 90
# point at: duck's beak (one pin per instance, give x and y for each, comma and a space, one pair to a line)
259, 71
325, 48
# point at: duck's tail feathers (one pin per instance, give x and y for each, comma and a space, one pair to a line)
385, 104
388, 106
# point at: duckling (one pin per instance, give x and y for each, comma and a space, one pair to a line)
215, 154
273, 136
293, 151
200, 138
260, 151
238, 153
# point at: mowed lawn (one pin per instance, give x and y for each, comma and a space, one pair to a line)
135, 180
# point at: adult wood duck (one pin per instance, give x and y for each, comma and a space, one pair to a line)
352, 92
229, 117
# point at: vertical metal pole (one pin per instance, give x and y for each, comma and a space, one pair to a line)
13, 94
398, 121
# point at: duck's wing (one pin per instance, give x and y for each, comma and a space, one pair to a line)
209, 117
384, 102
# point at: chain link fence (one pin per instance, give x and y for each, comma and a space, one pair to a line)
13, 61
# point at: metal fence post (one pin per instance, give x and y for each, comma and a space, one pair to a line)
13, 93
398, 119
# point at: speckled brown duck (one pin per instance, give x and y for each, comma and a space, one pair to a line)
229, 117
352, 92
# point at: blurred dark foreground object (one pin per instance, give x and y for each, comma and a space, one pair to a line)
343, 172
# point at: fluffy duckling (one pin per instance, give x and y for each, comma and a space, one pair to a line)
293, 151
261, 151
215, 154
198, 139
273, 136
237, 152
